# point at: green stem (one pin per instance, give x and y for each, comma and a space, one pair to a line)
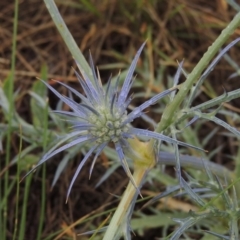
18, 189
23, 224
114, 229
169, 159
3, 222
169, 113
43, 192
68, 39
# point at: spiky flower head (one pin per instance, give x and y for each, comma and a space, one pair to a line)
102, 117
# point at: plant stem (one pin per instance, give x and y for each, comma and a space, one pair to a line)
169, 159
43, 190
68, 39
114, 229
10, 92
169, 112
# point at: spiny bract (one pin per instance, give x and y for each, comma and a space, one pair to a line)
102, 117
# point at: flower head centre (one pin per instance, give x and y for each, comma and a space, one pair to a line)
108, 125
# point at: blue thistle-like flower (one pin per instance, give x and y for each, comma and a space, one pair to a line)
102, 117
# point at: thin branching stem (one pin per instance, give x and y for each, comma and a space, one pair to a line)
169, 112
